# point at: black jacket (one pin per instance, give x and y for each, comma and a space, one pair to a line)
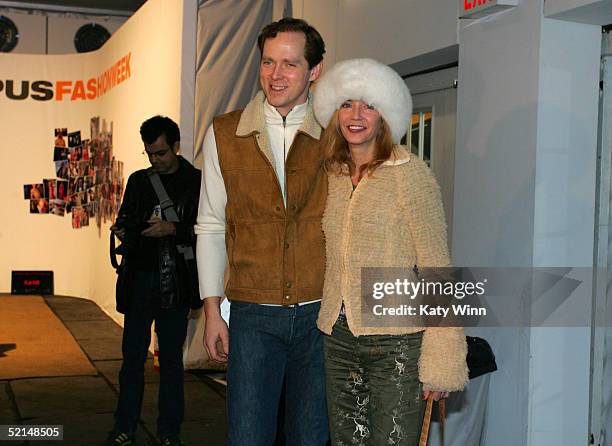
176, 277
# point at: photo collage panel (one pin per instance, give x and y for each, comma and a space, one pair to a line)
89, 182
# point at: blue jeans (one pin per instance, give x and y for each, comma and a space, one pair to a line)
269, 346
171, 329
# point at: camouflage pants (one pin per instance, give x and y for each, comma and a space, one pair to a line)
373, 391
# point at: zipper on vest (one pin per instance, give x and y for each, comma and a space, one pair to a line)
285, 160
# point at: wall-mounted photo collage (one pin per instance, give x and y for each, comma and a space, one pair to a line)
89, 181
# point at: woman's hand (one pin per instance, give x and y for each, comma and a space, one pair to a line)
435, 395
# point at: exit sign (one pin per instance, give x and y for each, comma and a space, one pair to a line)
472, 9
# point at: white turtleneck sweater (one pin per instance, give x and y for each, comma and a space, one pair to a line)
281, 133
210, 226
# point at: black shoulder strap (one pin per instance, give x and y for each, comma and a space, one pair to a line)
168, 207
164, 200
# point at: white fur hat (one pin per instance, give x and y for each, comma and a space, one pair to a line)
371, 82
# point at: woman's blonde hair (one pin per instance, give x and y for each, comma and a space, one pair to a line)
338, 155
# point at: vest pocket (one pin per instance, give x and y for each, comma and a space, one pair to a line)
254, 251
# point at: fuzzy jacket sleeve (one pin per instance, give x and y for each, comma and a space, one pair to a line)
442, 364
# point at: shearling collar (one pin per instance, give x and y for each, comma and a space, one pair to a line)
400, 155
253, 119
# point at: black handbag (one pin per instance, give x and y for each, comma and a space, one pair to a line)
122, 285
192, 282
480, 357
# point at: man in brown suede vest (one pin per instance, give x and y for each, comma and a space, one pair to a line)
263, 195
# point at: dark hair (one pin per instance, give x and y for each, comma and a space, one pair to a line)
337, 154
314, 47
158, 125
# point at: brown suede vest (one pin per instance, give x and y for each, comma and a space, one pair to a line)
276, 252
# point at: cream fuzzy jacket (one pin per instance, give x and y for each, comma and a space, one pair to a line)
394, 218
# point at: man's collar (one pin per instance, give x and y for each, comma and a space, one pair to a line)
294, 117
253, 119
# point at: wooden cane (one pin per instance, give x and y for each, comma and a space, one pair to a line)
427, 420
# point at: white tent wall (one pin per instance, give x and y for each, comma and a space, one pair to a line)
227, 58
390, 31
153, 39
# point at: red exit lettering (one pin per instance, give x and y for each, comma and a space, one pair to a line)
31, 282
469, 4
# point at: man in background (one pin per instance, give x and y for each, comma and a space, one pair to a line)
159, 286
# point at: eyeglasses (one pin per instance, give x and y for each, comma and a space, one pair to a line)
158, 154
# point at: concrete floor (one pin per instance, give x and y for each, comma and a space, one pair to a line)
84, 405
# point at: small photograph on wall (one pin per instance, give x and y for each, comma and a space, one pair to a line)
74, 200
105, 209
57, 207
50, 187
83, 167
105, 191
76, 153
62, 190
77, 215
83, 198
93, 209
73, 169
79, 185
85, 216
60, 137
86, 150
74, 139
89, 182
94, 127
61, 169
33, 191
40, 206
60, 153
117, 171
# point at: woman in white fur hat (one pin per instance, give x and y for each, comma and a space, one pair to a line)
383, 209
